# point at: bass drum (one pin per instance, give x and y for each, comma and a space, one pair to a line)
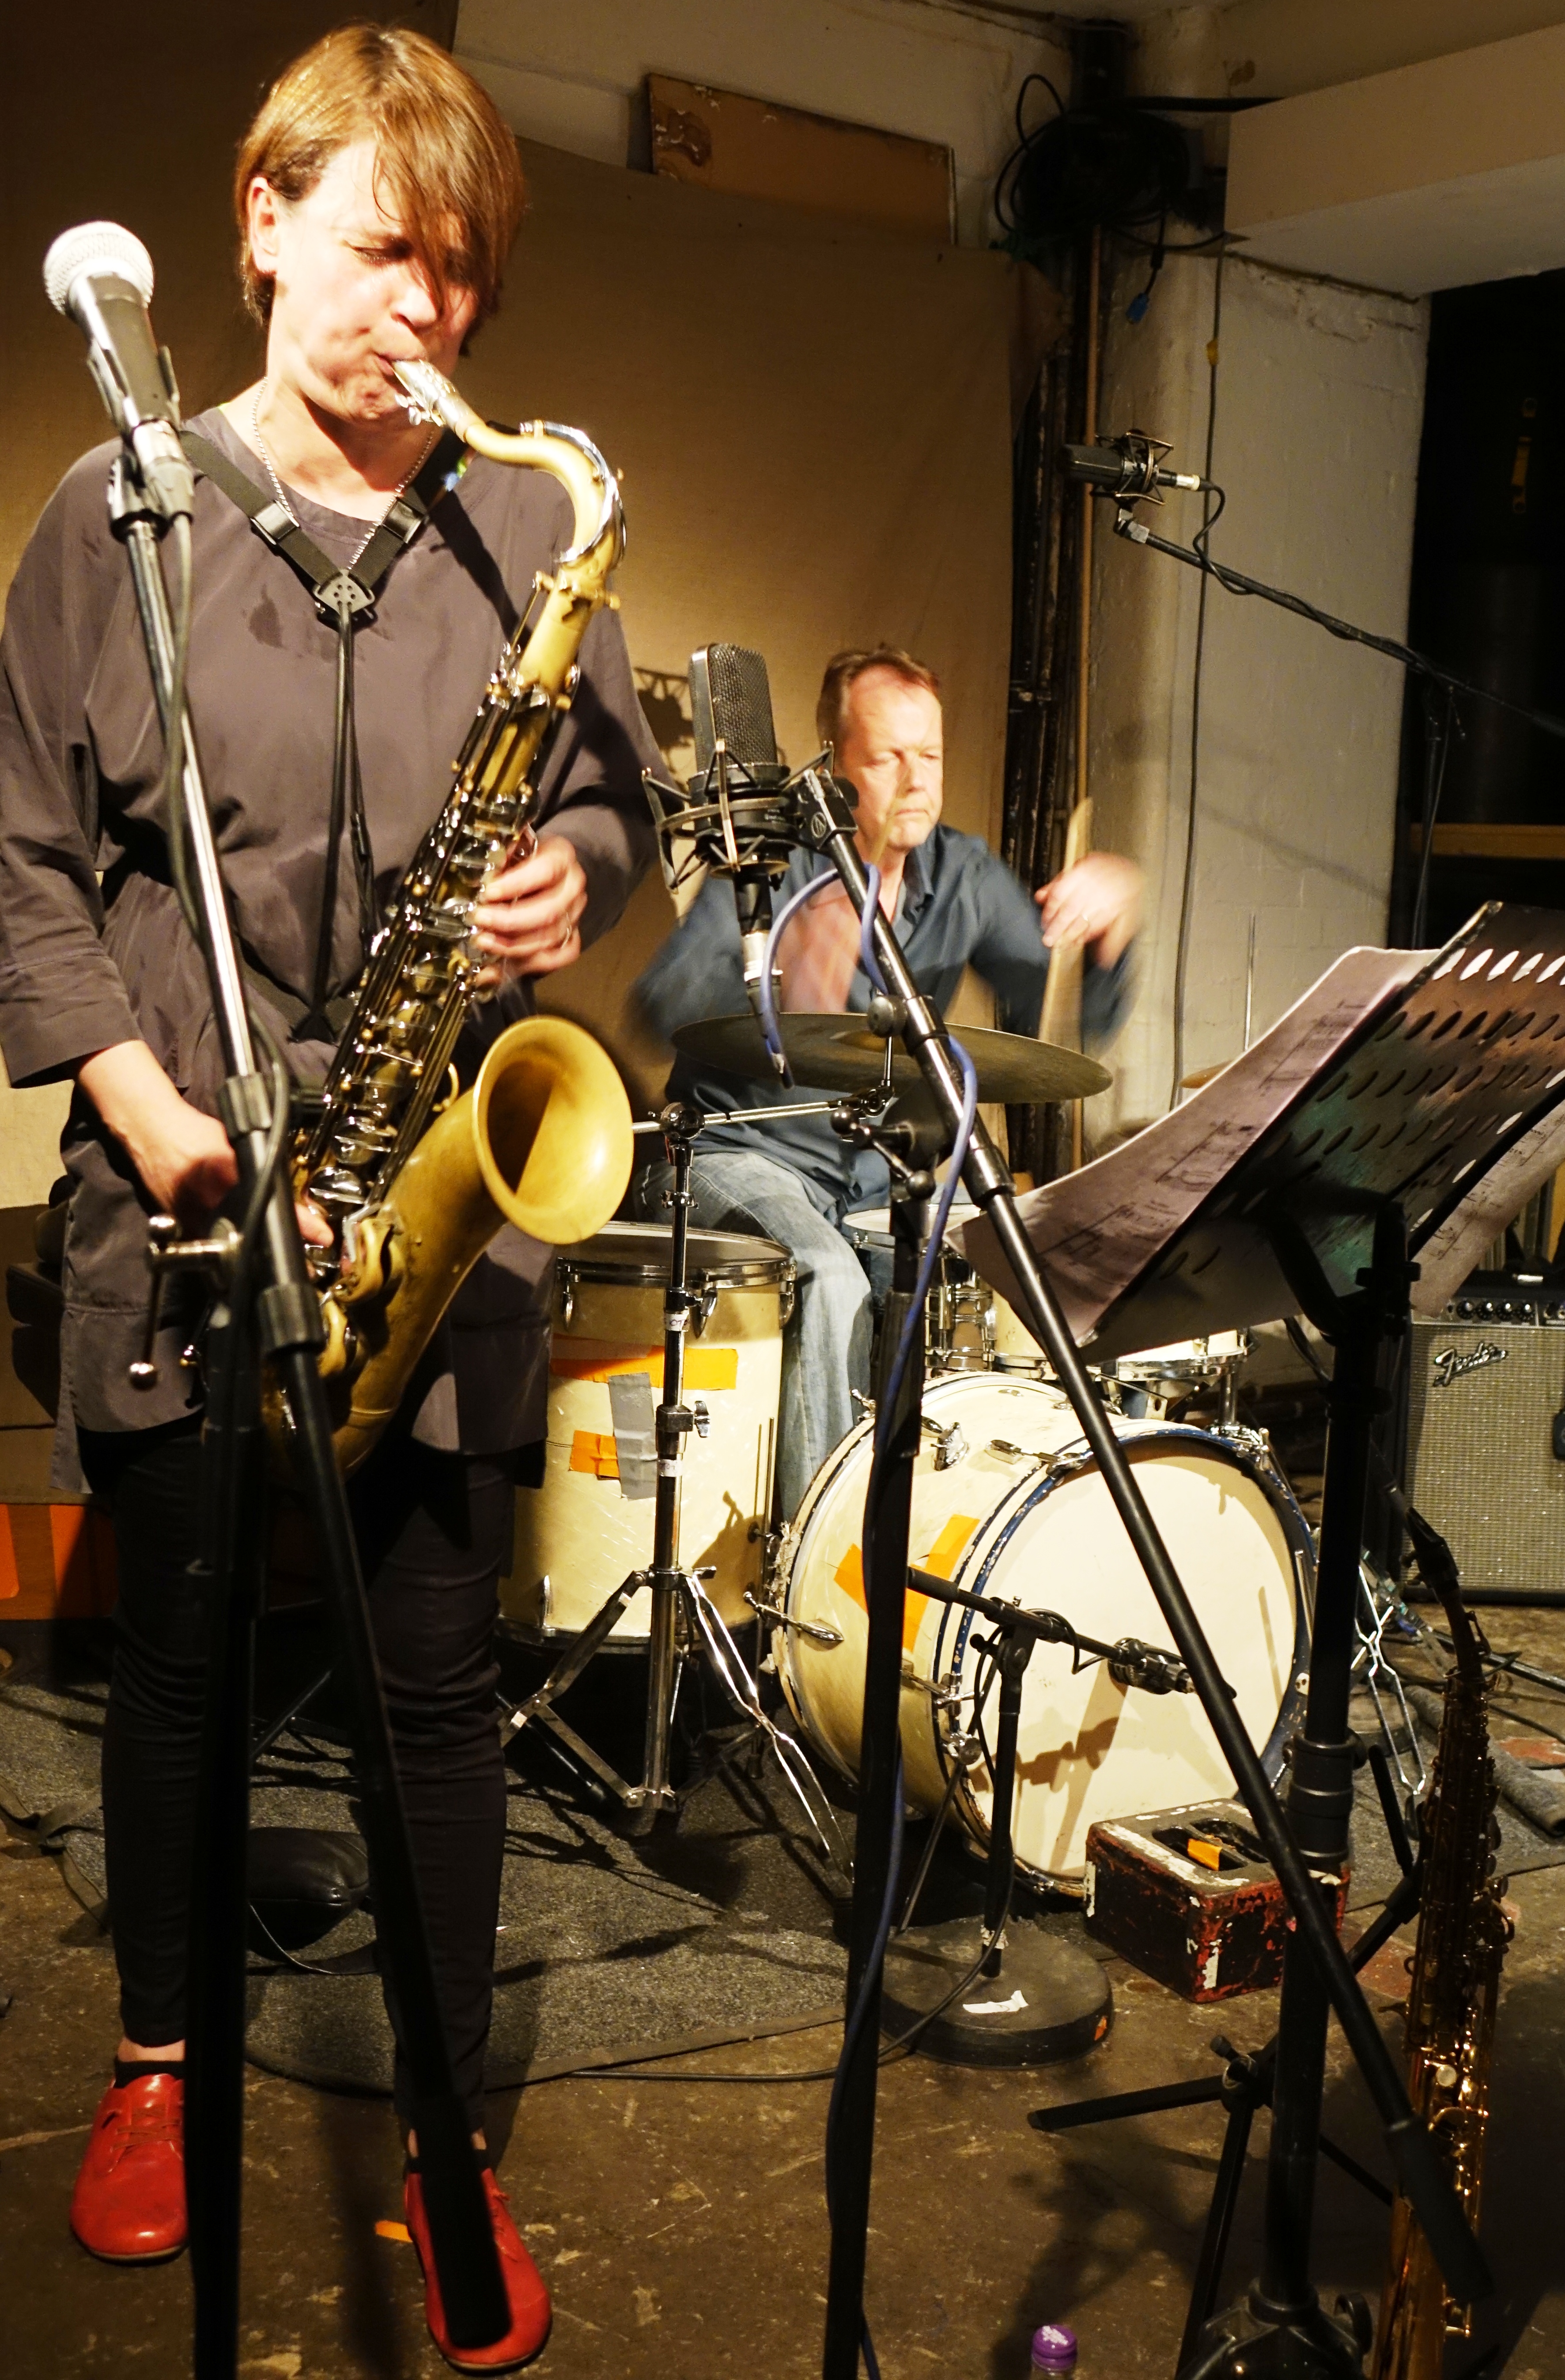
1008, 1501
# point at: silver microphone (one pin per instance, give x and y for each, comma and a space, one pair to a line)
101, 276
1130, 466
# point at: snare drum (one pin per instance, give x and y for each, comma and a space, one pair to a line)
1008, 1501
579, 1534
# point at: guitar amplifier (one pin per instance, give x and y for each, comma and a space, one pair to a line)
1486, 1434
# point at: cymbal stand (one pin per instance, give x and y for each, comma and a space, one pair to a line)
267, 1308
685, 1618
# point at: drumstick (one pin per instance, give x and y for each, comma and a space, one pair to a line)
1062, 1020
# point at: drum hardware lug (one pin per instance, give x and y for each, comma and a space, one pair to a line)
787, 1293
950, 1446
775, 1548
701, 1422
865, 1404
1010, 1453
938, 1691
566, 1284
830, 1638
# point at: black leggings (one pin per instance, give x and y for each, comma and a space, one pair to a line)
435, 1531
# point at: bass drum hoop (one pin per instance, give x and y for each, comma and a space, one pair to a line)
1075, 1460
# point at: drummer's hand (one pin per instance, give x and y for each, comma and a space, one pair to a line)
1096, 903
528, 921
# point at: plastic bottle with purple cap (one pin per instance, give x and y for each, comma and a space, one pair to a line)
1054, 2348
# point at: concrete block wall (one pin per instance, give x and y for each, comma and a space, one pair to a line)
1319, 409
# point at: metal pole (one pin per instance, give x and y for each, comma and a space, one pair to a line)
1320, 1796
885, 1583
656, 1790
288, 1331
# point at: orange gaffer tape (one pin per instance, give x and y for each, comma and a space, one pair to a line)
941, 1558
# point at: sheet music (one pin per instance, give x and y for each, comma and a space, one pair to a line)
1095, 1231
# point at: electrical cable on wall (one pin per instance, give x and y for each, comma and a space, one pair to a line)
1208, 517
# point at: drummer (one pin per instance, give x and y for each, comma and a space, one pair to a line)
953, 903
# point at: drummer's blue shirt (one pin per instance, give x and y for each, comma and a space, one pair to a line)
959, 906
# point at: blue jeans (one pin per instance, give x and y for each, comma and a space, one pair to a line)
826, 1345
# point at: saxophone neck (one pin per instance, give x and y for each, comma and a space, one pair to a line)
569, 456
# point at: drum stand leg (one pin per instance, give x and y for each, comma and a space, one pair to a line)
685, 1619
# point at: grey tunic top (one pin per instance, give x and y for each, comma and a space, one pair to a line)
86, 963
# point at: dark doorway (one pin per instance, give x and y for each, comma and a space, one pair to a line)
1488, 602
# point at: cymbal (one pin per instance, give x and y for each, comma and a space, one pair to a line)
839, 1053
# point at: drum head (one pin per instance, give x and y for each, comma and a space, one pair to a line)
1008, 1502
1091, 1749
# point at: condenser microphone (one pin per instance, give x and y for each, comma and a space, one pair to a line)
1130, 467
101, 276
731, 705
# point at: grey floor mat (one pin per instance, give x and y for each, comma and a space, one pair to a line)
604, 1943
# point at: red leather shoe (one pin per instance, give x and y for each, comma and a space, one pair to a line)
524, 2286
128, 2203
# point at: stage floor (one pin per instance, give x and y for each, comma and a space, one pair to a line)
680, 2225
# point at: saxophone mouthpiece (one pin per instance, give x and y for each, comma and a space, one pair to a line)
430, 396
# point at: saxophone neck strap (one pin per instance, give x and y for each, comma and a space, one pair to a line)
339, 592
344, 595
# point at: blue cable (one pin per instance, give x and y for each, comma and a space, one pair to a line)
770, 1031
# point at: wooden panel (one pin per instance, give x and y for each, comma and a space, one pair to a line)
751, 149
1462, 842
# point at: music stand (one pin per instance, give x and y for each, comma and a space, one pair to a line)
1308, 1177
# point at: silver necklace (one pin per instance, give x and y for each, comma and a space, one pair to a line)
277, 485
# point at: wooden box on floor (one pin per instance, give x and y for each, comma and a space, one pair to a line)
1189, 1897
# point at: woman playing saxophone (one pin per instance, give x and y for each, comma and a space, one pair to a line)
378, 194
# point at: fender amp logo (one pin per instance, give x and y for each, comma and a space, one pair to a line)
1449, 1366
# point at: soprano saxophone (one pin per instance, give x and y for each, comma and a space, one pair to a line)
1460, 1948
415, 1180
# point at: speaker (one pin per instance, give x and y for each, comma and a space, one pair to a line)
1487, 1435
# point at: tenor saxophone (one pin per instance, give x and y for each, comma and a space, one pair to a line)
415, 1180
1460, 1948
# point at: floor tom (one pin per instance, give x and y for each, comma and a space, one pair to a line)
580, 1532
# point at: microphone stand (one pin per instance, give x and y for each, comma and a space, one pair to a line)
823, 821
267, 1309
1441, 724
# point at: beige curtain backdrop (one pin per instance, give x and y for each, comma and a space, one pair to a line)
813, 424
